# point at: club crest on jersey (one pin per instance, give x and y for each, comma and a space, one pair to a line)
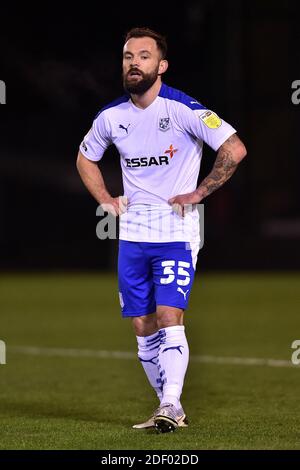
164, 124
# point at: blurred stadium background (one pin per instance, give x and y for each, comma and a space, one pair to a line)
60, 67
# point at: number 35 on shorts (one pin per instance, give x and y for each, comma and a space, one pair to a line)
173, 271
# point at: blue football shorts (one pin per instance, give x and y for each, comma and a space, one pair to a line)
152, 274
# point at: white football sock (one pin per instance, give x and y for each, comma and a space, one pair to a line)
173, 358
147, 353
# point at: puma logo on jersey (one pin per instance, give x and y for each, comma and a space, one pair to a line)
182, 292
123, 127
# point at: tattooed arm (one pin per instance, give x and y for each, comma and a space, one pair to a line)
229, 156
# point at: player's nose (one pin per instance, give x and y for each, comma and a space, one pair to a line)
134, 62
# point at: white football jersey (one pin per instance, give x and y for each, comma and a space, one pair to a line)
160, 149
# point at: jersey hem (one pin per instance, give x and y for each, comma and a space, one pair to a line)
160, 240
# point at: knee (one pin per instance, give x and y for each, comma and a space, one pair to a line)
145, 325
169, 316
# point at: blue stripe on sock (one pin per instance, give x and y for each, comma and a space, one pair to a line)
153, 339
150, 343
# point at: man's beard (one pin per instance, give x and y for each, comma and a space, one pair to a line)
140, 86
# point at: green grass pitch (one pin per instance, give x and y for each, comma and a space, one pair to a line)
62, 401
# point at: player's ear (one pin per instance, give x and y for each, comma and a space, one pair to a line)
163, 65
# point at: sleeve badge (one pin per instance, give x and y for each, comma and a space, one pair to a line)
211, 120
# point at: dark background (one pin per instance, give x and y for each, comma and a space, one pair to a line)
61, 63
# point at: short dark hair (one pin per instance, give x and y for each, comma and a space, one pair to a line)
146, 32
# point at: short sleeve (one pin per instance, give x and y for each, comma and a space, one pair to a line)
205, 124
96, 140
